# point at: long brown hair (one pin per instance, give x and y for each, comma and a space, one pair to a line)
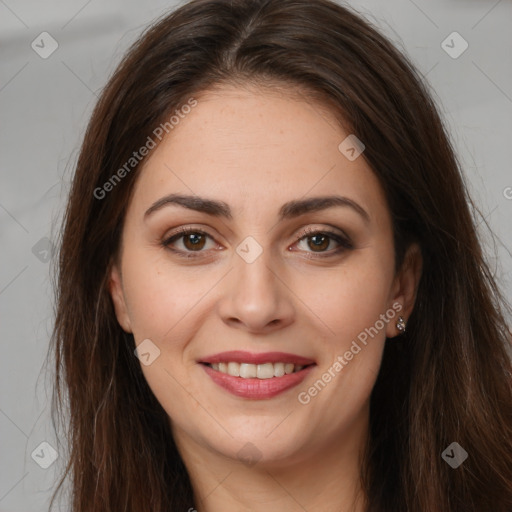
447, 379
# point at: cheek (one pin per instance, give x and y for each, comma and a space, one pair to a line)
163, 303
160, 296
350, 298
351, 304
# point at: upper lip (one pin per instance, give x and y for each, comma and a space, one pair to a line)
241, 356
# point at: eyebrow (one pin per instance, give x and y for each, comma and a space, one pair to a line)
289, 210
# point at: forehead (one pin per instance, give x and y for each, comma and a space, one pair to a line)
253, 148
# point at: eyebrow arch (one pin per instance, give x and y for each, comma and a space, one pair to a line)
289, 210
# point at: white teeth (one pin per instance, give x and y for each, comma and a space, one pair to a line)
248, 371
259, 371
234, 369
288, 368
265, 371
278, 369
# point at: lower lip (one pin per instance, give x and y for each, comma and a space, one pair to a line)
258, 389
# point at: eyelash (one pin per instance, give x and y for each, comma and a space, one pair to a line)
345, 243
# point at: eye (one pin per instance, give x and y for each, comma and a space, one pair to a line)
194, 240
320, 240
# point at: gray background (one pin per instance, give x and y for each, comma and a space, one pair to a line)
45, 105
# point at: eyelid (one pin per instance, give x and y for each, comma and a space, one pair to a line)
336, 234
340, 237
329, 231
181, 232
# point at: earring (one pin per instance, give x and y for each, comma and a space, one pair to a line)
400, 325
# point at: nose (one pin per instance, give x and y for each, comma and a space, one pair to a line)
255, 296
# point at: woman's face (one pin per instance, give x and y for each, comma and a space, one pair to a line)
252, 288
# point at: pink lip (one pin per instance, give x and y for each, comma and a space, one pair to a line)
240, 356
258, 389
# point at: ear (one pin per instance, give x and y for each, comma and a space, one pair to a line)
405, 287
116, 292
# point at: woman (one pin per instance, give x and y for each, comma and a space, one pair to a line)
271, 294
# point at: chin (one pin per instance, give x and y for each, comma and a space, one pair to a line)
259, 446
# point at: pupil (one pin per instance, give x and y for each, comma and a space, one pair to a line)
193, 241
320, 241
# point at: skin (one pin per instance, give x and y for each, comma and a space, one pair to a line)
255, 149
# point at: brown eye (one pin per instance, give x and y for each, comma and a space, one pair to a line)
194, 241
319, 241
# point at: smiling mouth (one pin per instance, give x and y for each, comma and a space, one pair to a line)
256, 371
